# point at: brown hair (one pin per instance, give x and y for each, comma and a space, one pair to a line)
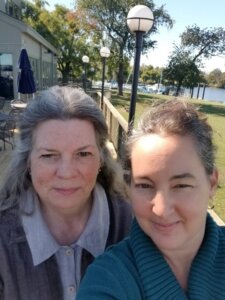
179, 118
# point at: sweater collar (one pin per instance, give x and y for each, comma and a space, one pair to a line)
157, 278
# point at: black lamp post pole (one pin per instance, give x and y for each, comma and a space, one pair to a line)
84, 79
92, 73
103, 80
138, 46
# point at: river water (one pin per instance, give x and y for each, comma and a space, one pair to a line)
211, 94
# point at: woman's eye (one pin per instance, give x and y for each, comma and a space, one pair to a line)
46, 155
84, 154
142, 186
49, 156
183, 186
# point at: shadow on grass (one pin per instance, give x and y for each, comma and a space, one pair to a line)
208, 108
213, 109
141, 98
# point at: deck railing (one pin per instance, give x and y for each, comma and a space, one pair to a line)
118, 128
117, 125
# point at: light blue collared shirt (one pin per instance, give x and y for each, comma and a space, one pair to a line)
43, 245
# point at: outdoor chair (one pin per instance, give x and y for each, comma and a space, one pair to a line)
15, 114
7, 131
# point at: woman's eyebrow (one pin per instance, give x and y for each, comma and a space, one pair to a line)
183, 175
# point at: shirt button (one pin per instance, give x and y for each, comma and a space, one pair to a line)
69, 251
71, 289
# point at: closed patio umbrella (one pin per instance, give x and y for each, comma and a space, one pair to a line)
26, 84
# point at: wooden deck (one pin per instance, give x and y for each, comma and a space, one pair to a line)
5, 157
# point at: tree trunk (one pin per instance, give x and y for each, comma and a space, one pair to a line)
120, 75
179, 84
66, 73
65, 77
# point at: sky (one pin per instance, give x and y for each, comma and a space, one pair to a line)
205, 14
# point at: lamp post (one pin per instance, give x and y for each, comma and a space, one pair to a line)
92, 69
104, 52
139, 21
85, 60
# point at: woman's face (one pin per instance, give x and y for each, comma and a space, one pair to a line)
170, 191
64, 164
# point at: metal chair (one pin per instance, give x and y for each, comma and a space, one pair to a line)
7, 130
2, 103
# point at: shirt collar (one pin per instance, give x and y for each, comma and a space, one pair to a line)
94, 237
43, 245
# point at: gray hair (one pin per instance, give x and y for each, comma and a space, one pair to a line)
180, 118
58, 103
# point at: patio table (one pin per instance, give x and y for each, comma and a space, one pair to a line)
19, 105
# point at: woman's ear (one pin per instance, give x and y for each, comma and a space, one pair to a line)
214, 177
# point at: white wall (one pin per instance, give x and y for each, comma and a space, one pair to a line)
15, 35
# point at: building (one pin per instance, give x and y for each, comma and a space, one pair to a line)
15, 35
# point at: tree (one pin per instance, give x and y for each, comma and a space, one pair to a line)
203, 42
216, 78
149, 74
70, 38
186, 59
181, 70
111, 19
69, 31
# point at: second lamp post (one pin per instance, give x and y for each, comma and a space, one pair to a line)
104, 52
139, 20
85, 60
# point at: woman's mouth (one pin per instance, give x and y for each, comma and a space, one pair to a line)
66, 191
166, 227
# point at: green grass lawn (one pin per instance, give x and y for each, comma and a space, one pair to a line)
216, 116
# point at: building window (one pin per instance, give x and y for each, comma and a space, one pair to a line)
34, 66
12, 9
46, 74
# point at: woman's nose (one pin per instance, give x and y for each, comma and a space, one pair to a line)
162, 205
66, 168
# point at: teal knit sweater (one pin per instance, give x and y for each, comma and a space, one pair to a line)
134, 269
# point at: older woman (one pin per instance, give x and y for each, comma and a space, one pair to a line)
175, 249
62, 201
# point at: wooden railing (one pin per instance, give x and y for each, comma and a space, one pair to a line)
117, 125
118, 128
